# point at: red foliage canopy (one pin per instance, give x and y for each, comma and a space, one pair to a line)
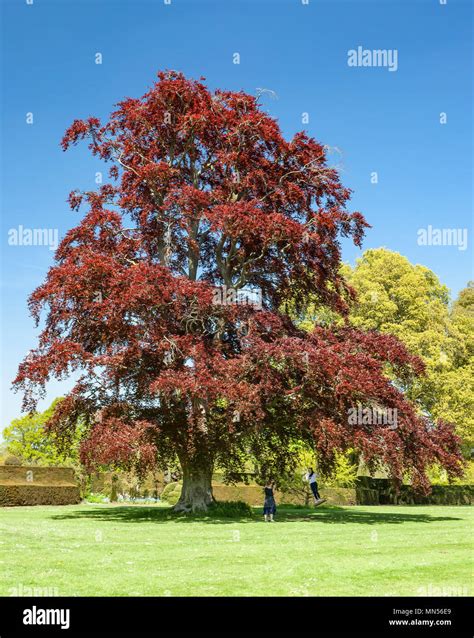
206, 192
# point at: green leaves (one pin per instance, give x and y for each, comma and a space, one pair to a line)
28, 439
407, 300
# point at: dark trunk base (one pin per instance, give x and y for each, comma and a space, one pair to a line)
196, 494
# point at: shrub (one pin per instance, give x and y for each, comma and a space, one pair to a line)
97, 498
171, 493
230, 509
12, 460
344, 473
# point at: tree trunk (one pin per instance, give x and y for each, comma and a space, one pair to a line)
196, 494
113, 489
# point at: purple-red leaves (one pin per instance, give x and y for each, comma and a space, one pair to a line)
208, 193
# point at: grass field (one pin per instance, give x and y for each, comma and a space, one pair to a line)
108, 550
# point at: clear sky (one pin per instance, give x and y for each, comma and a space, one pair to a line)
381, 121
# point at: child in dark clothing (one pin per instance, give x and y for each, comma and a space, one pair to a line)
269, 505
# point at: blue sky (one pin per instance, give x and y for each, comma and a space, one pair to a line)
380, 121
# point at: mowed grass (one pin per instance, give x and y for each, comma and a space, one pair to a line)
109, 550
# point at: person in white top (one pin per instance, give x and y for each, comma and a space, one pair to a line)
311, 477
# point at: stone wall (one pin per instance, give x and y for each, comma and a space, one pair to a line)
32, 485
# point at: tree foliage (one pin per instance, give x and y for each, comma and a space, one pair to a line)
205, 192
406, 300
28, 439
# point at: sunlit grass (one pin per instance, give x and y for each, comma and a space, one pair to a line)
109, 550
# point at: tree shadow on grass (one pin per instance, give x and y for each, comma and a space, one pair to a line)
285, 514
370, 516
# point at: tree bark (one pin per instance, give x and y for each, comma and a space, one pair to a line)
196, 494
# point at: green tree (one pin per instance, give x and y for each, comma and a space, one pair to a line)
409, 301
3, 451
456, 385
27, 438
397, 297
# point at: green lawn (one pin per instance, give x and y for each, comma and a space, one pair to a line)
109, 550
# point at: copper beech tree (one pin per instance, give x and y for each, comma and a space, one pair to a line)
205, 192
